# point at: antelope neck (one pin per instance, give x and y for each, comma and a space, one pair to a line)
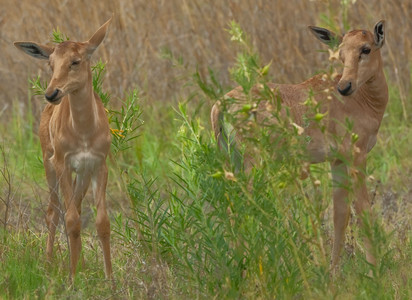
375, 93
83, 108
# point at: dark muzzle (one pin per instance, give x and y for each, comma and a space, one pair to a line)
346, 90
53, 96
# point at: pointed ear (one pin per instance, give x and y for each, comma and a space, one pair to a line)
325, 36
379, 33
34, 49
97, 37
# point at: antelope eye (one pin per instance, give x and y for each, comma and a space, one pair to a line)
75, 62
366, 50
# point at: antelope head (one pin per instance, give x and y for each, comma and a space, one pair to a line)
359, 51
69, 62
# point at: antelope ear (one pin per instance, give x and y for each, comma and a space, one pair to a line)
97, 37
379, 33
325, 36
33, 49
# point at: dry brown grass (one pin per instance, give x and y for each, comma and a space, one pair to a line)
195, 30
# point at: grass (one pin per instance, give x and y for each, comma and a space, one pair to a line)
184, 224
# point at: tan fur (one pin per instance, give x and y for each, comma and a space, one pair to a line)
365, 106
75, 138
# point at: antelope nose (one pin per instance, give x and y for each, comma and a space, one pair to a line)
346, 90
52, 96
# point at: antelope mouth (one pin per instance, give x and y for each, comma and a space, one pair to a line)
346, 93
55, 101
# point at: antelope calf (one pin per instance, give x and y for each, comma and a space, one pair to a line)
362, 97
75, 138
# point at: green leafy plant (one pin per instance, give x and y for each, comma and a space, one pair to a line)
58, 36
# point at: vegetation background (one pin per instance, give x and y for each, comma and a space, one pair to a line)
167, 50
